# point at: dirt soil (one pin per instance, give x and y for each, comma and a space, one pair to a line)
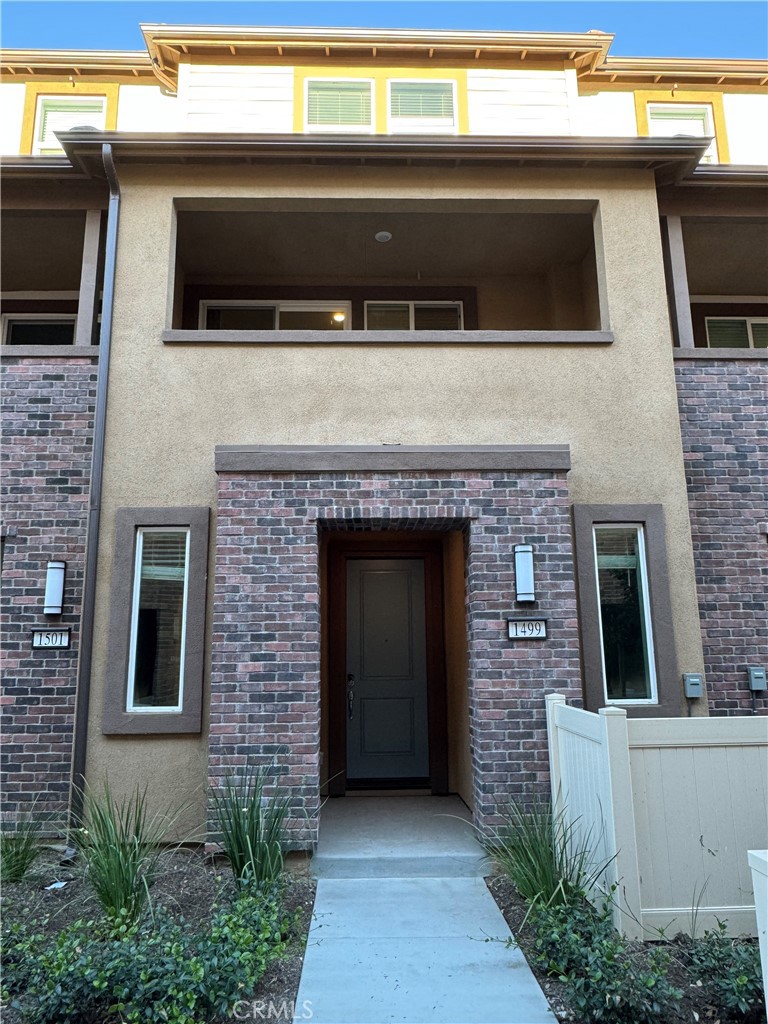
693, 1007
188, 884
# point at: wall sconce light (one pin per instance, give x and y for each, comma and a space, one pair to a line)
524, 584
54, 588
339, 318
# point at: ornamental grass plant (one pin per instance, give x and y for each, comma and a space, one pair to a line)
121, 843
549, 860
18, 849
251, 822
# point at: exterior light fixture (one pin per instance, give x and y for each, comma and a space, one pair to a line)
339, 318
54, 588
383, 236
524, 584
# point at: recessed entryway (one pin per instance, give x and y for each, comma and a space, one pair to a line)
386, 700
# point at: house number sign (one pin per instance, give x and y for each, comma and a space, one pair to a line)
527, 629
47, 638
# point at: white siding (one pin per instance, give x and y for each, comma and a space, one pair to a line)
519, 102
746, 121
145, 108
236, 98
606, 114
11, 116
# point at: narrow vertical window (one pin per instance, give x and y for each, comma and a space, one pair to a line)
625, 622
158, 620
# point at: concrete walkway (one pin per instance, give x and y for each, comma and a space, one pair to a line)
404, 927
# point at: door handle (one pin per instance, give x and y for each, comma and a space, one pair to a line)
350, 695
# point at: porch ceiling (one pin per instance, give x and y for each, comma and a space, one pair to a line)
242, 245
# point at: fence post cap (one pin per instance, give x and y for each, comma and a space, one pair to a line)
554, 698
613, 711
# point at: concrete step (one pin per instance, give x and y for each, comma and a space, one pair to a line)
397, 837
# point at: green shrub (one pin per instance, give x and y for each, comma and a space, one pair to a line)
134, 974
121, 846
729, 969
18, 849
605, 977
546, 858
252, 825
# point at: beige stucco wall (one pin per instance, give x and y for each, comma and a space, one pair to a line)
170, 405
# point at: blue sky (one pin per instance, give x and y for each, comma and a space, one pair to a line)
693, 28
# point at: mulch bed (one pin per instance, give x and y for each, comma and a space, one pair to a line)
694, 1006
188, 885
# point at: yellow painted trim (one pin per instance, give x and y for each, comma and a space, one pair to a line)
380, 77
36, 89
714, 99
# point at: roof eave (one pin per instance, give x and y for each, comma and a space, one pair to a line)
669, 159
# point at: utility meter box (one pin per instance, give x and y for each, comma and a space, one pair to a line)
757, 679
694, 684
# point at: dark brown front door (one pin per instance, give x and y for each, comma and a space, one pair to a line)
387, 702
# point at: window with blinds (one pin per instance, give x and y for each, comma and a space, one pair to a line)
737, 332
421, 107
158, 619
670, 119
339, 105
413, 316
60, 114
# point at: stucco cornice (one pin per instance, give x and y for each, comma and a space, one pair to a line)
668, 159
390, 458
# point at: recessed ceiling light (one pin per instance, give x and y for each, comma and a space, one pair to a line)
383, 236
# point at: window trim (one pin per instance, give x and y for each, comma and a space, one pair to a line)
7, 318
412, 303
453, 130
334, 129
687, 98
296, 305
77, 90
646, 609
711, 156
130, 690
749, 320
117, 719
651, 518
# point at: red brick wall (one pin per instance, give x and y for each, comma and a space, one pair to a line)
265, 699
47, 434
724, 421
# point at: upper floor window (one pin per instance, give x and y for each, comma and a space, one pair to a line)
60, 114
240, 315
737, 332
422, 106
669, 119
339, 106
38, 328
413, 316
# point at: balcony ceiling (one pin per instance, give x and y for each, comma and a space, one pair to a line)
242, 246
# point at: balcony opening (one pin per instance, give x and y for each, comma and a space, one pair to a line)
725, 260
51, 262
388, 269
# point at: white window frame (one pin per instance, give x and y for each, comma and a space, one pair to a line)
646, 611
711, 156
131, 707
38, 149
412, 303
334, 129
748, 320
7, 318
296, 306
436, 130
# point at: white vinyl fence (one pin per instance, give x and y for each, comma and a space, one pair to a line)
676, 802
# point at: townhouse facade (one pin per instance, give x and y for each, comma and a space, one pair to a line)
360, 389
